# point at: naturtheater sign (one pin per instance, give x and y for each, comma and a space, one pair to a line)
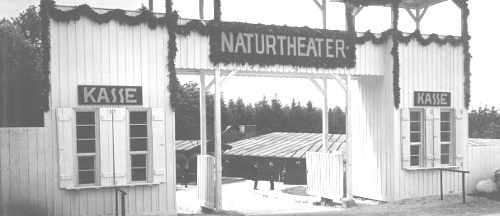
252, 44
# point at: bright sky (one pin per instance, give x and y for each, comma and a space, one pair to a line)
443, 19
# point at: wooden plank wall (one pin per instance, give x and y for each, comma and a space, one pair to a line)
429, 68
86, 53
482, 163
325, 175
194, 49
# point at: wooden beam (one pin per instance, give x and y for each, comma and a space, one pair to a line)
325, 114
318, 4
415, 19
203, 114
320, 89
227, 78
201, 5
324, 14
217, 144
349, 143
423, 12
340, 81
357, 10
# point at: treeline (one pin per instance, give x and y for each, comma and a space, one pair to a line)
484, 123
269, 115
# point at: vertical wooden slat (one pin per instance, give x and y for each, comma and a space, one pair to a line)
5, 177
158, 151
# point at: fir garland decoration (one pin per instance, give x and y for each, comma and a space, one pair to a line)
217, 10
463, 5
45, 5
395, 54
349, 17
370, 2
174, 84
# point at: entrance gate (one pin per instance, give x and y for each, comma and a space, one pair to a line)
206, 181
325, 175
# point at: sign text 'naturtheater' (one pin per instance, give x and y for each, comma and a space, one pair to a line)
280, 45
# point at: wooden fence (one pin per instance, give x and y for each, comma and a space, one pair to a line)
325, 175
483, 161
206, 181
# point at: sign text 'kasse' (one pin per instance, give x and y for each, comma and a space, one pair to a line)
119, 95
432, 98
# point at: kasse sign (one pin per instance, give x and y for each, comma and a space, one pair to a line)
112, 95
431, 98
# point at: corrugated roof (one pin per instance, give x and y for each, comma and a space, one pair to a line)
285, 145
484, 142
186, 145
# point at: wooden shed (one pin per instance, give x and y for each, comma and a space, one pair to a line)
287, 151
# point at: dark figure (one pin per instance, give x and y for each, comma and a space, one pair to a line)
255, 176
185, 175
272, 172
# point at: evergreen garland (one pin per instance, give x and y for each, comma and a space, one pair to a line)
395, 54
370, 2
217, 11
463, 5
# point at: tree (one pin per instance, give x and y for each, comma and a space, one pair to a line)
20, 79
336, 117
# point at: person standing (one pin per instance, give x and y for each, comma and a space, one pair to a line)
272, 173
255, 176
185, 174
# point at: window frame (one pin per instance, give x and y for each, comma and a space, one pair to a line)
96, 155
452, 142
149, 159
423, 136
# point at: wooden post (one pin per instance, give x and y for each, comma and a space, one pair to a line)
325, 114
203, 115
151, 5
217, 144
324, 14
201, 5
348, 200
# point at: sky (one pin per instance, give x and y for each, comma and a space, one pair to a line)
442, 19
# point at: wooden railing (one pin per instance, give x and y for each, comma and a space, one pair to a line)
206, 181
325, 175
123, 194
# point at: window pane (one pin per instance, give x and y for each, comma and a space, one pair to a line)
415, 126
86, 163
445, 136
414, 150
139, 174
445, 116
414, 161
445, 149
445, 159
138, 160
85, 146
138, 130
139, 144
85, 132
138, 117
85, 118
414, 115
86, 177
445, 126
415, 137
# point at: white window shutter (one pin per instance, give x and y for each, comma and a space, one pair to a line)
120, 142
429, 138
158, 151
65, 144
437, 136
105, 145
459, 137
405, 137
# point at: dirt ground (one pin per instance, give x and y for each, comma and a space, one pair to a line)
239, 198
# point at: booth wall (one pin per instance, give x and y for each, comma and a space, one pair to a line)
87, 53
482, 164
431, 68
373, 117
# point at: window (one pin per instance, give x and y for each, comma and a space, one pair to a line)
416, 137
446, 135
106, 147
138, 145
429, 137
86, 146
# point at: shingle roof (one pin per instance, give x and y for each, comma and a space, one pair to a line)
285, 145
186, 145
